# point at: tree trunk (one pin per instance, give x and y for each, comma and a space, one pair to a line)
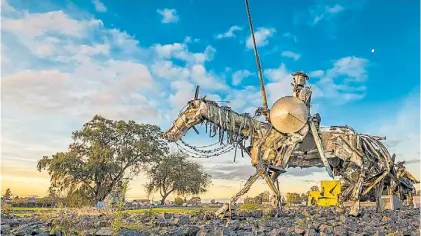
165, 196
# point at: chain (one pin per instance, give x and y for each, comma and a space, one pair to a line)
203, 155
204, 151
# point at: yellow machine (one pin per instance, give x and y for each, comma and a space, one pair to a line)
327, 196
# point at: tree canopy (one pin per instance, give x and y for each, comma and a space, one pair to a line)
8, 194
102, 153
176, 173
314, 188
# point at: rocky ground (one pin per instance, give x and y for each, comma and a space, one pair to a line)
294, 221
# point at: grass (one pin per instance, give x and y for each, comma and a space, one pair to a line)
167, 210
35, 209
27, 211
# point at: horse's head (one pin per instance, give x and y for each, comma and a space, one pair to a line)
189, 116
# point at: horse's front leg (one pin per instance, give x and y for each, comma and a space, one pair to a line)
379, 192
228, 207
275, 190
356, 194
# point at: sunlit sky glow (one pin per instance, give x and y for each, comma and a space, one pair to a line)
61, 63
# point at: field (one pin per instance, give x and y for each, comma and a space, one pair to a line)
28, 211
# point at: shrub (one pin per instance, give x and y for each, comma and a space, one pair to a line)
178, 201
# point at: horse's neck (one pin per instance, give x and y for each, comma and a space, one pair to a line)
230, 121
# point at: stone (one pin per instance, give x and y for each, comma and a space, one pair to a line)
181, 220
276, 232
233, 224
168, 215
326, 228
226, 231
160, 222
300, 230
132, 232
340, 230
11, 222
257, 214
5, 229
105, 231
192, 230
177, 232
301, 220
90, 232
310, 232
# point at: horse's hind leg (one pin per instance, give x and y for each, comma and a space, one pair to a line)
356, 194
379, 192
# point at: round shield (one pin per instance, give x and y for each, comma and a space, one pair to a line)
289, 114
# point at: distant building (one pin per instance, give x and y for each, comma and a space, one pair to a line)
141, 202
32, 200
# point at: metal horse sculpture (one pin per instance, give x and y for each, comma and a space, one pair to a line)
359, 158
291, 137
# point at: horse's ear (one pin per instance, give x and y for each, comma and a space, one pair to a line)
196, 94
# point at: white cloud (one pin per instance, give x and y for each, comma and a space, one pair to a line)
99, 6
168, 15
71, 70
31, 25
207, 80
261, 36
167, 70
345, 80
189, 39
280, 83
335, 9
238, 76
316, 74
400, 123
181, 52
290, 35
326, 12
184, 91
245, 100
290, 54
230, 32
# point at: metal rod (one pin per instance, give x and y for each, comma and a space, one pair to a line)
259, 68
196, 94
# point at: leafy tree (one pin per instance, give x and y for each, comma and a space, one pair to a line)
176, 174
265, 196
178, 201
102, 153
8, 194
213, 201
314, 188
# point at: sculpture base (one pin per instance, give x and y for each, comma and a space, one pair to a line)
416, 201
390, 202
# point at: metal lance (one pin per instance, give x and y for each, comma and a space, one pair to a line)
259, 68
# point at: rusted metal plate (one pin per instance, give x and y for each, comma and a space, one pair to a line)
289, 114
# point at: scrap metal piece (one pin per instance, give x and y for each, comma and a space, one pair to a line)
289, 114
320, 148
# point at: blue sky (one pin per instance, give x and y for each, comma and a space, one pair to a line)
64, 61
